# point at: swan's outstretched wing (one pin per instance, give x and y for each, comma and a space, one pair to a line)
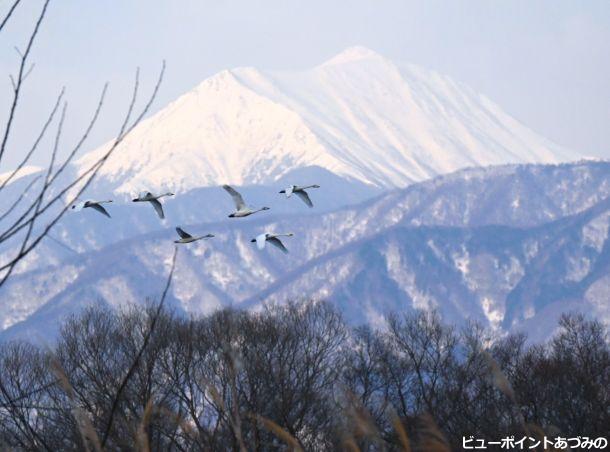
79, 206
277, 243
100, 209
304, 197
183, 234
237, 199
289, 191
158, 208
260, 241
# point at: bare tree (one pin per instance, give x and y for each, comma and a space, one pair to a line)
295, 378
34, 211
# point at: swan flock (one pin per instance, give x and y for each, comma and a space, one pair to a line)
241, 210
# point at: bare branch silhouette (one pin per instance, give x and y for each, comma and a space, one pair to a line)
36, 142
12, 207
20, 78
31, 225
9, 14
87, 176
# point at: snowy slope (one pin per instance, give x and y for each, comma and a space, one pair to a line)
503, 245
358, 115
356, 124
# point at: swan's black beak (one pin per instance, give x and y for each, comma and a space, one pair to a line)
232, 215
253, 240
283, 191
134, 200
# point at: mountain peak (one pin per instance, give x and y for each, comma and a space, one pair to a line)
358, 115
351, 54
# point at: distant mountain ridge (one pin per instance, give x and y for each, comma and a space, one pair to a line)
508, 246
364, 128
357, 124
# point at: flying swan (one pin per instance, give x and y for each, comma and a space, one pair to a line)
262, 239
147, 196
185, 237
242, 210
96, 205
300, 192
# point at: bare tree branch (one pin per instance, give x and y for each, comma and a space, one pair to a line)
36, 142
19, 81
84, 136
18, 224
28, 219
9, 14
20, 197
43, 191
90, 173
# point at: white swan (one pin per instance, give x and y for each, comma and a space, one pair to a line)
96, 205
300, 192
262, 239
147, 196
242, 210
185, 237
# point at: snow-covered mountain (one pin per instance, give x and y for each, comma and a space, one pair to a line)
362, 127
358, 115
509, 246
357, 124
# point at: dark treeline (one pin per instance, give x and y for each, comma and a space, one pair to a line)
296, 377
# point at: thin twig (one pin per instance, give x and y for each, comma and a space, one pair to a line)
85, 135
36, 142
9, 14
21, 196
92, 169
19, 82
43, 191
15, 227
91, 172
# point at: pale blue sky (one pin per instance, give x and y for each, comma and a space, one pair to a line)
545, 62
